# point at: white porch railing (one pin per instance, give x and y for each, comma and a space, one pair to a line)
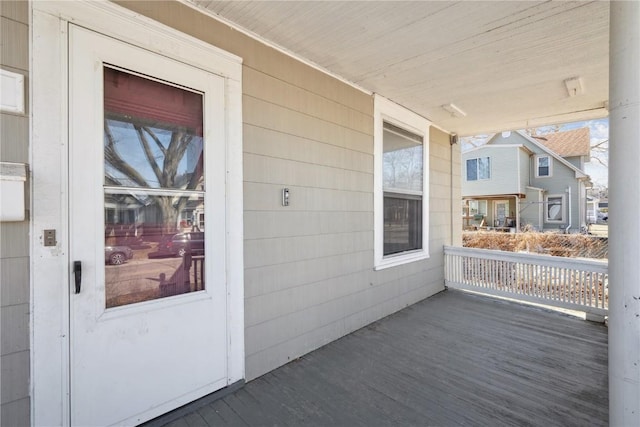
576, 284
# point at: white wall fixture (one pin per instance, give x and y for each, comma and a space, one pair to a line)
12, 180
11, 92
574, 86
454, 110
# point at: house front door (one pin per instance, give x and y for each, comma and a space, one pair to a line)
148, 307
501, 212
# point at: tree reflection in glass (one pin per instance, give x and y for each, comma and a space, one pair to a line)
154, 189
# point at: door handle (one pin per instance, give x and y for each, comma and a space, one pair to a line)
77, 274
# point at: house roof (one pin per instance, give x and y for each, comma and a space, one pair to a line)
568, 143
579, 173
502, 64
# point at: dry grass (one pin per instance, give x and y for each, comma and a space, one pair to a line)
567, 245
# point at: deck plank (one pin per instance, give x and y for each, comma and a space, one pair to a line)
453, 359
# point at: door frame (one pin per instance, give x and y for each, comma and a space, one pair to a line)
50, 266
495, 209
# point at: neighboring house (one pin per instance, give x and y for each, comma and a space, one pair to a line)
515, 181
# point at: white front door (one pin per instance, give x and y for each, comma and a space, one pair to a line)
501, 212
148, 315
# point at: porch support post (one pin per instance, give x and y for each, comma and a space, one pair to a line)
624, 203
517, 214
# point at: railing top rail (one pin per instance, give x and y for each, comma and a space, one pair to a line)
597, 266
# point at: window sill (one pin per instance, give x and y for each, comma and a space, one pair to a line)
400, 259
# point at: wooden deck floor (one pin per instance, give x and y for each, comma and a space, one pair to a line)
453, 359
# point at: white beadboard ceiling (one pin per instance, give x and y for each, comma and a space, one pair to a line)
503, 63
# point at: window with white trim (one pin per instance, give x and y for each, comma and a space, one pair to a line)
478, 169
477, 207
401, 193
543, 166
554, 208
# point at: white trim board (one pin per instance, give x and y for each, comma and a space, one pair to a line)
50, 272
389, 111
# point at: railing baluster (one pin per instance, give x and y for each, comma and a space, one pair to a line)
565, 282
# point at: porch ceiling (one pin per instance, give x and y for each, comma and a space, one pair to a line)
503, 63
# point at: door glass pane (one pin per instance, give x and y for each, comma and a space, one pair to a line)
153, 133
154, 230
154, 247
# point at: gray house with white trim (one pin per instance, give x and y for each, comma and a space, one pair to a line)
516, 181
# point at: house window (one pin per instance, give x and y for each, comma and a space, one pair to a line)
478, 169
554, 208
543, 166
477, 207
401, 193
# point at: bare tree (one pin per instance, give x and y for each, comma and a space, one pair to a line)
165, 172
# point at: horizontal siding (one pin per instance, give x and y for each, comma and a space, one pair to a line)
16, 413
13, 274
309, 276
15, 36
278, 250
263, 197
261, 113
530, 211
15, 328
271, 224
13, 130
14, 236
504, 172
264, 280
280, 92
287, 172
271, 143
15, 10
15, 368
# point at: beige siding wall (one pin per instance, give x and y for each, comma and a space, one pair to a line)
309, 275
504, 172
14, 236
525, 170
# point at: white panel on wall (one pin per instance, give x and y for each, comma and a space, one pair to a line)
11, 92
12, 181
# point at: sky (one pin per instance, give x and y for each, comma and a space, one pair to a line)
599, 131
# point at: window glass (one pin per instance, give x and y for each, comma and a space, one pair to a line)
153, 189
402, 159
543, 166
153, 133
402, 224
554, 208
479, 168
402, 185
484, 168
472, 169
477, 207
